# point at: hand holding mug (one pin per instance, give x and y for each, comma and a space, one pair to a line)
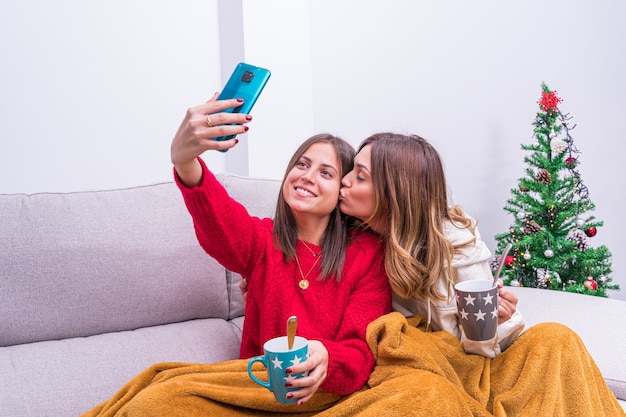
317, 368
507, 303
279, 361
295, 382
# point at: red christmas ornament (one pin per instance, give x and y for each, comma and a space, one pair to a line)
571, 162
590, 284
549, 101
509, 261
591, 232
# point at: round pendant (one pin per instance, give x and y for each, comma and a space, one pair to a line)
303, 284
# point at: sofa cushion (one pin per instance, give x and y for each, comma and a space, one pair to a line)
79, 264
68, 377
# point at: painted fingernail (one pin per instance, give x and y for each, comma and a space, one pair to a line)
240, 100
236, 141
289, 395
248, 117
245, 128
288, 384
288, 371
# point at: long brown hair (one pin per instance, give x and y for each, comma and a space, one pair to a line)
335, 238
410, 191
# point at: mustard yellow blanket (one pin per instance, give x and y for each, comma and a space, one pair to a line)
547, 371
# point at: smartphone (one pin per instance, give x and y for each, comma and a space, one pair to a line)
246, 82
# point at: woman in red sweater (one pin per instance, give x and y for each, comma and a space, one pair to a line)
304, 262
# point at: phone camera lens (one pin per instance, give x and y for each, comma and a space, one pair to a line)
247, 76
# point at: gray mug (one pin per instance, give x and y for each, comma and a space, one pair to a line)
477, 303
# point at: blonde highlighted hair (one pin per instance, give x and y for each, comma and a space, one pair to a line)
410, 195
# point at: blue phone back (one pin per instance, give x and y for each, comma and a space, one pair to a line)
247, 82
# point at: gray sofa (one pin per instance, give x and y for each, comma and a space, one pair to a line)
96, 286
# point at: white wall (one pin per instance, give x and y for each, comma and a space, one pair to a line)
278, 37
466, 76
91, 93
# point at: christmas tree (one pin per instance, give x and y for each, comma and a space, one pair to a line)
551, 231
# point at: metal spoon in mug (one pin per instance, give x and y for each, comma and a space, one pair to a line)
292, 325
501, 263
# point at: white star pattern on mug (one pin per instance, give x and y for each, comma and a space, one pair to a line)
480, 315
289, 378
488, 299
292, 377
277, 364
469, 299
296, 360
477, 308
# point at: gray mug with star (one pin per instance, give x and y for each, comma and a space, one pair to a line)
477, 303
277, 358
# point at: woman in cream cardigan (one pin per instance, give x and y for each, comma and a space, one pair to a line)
425, 364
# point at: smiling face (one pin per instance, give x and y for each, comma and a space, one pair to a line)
311, 187
357, 195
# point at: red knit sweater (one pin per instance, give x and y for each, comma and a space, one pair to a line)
336, 314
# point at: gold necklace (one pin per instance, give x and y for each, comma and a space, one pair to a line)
311, 250
304, 282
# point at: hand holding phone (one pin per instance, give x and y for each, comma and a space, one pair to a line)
246, 82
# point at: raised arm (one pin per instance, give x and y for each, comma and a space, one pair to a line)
196, 132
